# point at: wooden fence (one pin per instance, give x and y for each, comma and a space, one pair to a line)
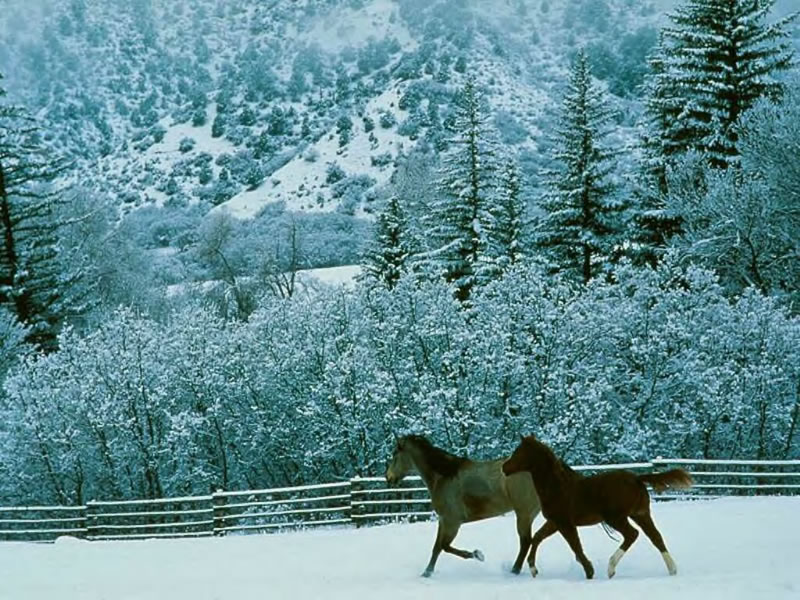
359, 501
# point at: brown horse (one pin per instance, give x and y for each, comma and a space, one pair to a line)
570, 500
462, 491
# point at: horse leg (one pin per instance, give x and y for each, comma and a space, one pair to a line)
544, 532
645, 521
629, 533
447, 539
437, 549
570, 533
524, 522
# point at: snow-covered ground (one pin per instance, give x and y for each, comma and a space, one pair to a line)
347, 27
344, 275
307, 279
300, 181
725, 549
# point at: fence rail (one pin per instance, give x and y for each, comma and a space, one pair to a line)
359, 501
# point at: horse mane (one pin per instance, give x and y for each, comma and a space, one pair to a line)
441, 461
561, 471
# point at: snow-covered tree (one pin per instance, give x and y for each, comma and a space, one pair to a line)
505, 236
411, 183
719, 58
389, 256
310, 389
12, 342
214, 250
582, 222
745, 222
652, 223
460, 216
34, 282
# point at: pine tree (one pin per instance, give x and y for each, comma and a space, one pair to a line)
582, 223
387, 260
719, 58
460, 215
32, 283
663, 106
505, 236
653, 224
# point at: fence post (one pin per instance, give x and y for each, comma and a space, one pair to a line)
82, 524
90, 519
218, 501
355, 507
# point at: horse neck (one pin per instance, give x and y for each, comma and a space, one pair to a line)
426, 471
555, 486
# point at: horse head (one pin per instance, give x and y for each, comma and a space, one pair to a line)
401, 462
530, 455
516, 462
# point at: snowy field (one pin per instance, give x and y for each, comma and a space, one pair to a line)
725, 549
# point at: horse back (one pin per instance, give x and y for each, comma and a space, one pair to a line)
611, 493
484, 491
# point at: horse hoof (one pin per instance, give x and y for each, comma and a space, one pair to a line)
426, 573
515, 570
614, 561
478, 555
589, 569
534, 571
672, 568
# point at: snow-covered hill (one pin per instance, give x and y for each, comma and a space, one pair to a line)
243, 103
302, 183
185, 108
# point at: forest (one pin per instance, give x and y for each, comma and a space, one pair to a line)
573, 218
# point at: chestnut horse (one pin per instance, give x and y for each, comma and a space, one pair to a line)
463, 490
570, 500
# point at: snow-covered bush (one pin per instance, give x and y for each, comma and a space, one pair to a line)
387, 119
186, 144
312, 388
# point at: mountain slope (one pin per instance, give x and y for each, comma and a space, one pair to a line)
311, 102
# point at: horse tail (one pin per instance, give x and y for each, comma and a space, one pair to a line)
676, 479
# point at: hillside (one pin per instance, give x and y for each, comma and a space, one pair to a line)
241, 103
174, 110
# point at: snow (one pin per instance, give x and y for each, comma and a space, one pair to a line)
726, 549
175, 132
345, 27
307, 278
344, 275
164, 155
68, 540
299, 182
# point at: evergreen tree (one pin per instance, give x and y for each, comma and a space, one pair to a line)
663, 106
505, 236
582, 224
388, 257
719, 58
653, 223
32, 281
460, 215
